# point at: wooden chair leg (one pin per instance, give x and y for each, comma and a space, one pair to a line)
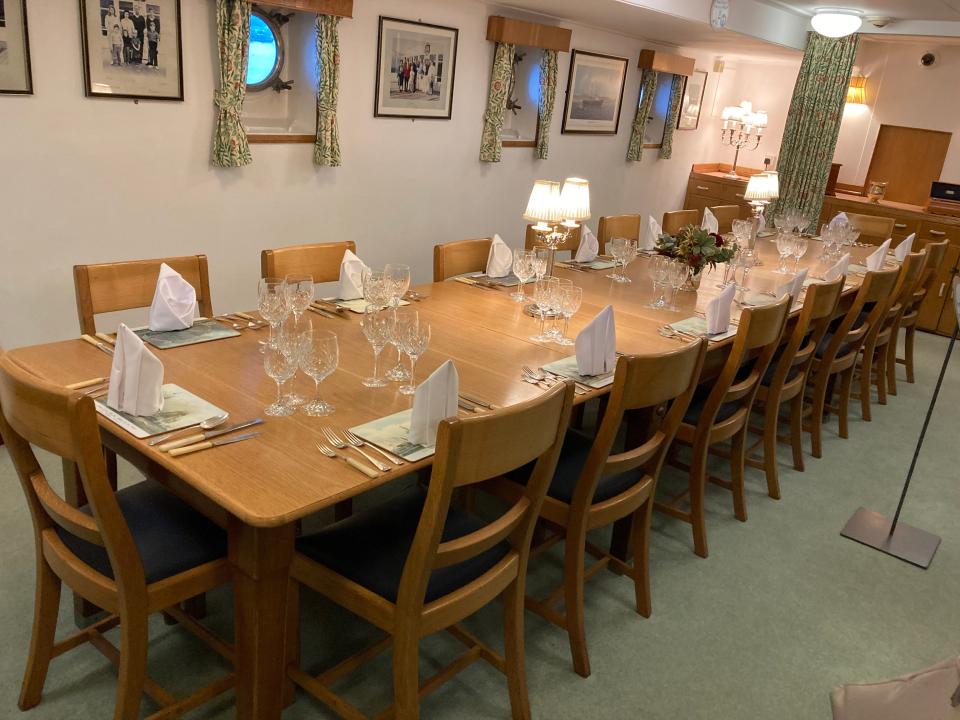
770, 429
738, 451
882, 376
698, 482
406, 675
110, 458
513, 609
641, 557
816, 417
846, 385
573, 581
891, 364
45, 610
133, 665
908, 352
866, 386
796, 431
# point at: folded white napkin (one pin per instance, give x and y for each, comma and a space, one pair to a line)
651, 236
351, 277
596, 345
903, 249
718, 311
839, 269
792, 287
174, 302
839, 219
710, 222
136, 377
589, 245
499, 259
876, 259
436, 398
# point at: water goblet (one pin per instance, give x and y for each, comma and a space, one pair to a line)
318, 360
541, 256
617, 248
416, 338
747, 261
397, 279
784, 249
800, 245
377, 328
570, 300
294, 334
298, 290
543, 295
658, 270
523, 268
677, 275
272, 305
627, 256
556, 300
402, 319
375, 288
280, 367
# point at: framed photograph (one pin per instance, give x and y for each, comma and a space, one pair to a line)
594, 93
689, 117
416, 66
132, 49
15, 76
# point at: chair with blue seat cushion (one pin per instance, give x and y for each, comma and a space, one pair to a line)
133, 553
720, 413
596, 485
836, 355
415, 566
786, 378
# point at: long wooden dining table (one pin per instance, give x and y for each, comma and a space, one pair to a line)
259, 489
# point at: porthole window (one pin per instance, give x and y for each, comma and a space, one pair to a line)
265, 60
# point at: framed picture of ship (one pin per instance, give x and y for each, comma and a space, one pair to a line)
594, 93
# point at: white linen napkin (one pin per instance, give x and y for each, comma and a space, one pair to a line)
596, 345
436, 398
136, 376
901, 251
792, 287
710, 222
499, 259
589, 246
651, 236
174, 302
718, 311
876, 259
839, 219
839, 269
351, 277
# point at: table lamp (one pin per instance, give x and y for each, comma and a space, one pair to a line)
557, 212
761, 189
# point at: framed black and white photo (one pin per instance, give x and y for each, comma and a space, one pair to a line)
689, 117
594, 93
416, 67
15, 76
132, 49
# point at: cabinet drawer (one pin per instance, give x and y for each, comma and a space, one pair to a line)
904, 226
733, 194
939, 231
710, 188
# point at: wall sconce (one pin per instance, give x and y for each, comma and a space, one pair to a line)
857, 92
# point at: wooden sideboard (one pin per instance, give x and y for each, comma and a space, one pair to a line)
709, 185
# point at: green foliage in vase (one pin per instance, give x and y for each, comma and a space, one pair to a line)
697, 247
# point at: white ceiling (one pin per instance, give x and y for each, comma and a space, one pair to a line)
937, 10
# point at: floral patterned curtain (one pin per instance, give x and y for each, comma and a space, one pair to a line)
327, 149
676, 98
548, 94
230, 146
648, 90
491, 147
813, 122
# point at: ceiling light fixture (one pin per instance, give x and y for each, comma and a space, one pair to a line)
836, 22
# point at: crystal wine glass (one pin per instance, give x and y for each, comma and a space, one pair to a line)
677, 275
375, 288
272, 305
785, 243
658, 269
280, 367
616, 249
294, 336
800, 245
540, 257
397, 277
402, 319
543, 294
377, 325
523, 268
747, 260
318, 360
628, 256
570, 300
416, 338
298, 290
556, 299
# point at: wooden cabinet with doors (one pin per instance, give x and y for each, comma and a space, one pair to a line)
937, 313
710, 186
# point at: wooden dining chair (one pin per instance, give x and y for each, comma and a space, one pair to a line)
611, 226
725, 215
872, 368
133, 553
836, 356
415, 565
675, 220
110, 287
874, 230
319, 260
785, 381
532, 240
596, 485
936, 252
459, 257
720, 411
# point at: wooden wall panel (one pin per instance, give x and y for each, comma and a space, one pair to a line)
518, 32
343, 8
665, 62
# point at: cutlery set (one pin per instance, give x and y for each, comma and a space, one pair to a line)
484, 284
98, 344
545, 379
345, 440
205, 440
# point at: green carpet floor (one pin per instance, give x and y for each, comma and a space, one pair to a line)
783, 610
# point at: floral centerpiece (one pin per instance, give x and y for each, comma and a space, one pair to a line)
698, 248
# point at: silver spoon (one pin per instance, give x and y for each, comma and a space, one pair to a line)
209, 424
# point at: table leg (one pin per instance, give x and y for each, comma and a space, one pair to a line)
261, 558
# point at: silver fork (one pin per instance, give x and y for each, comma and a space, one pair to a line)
580, 387
339, 444
359, 442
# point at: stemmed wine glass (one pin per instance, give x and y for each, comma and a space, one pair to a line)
377, 325
540, 256
298, 290
397, 281
416, 338
402, 319
677, 274
785, 245
523, 268
543, 295
280, 367
272, 305
570, 299
557, 287
627, 256
295, 334
658, 270
800, 245
746, 261
318, 360
375, 288
617, 251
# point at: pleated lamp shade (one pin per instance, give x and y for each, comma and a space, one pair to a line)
544, 203
575, 199
763, 186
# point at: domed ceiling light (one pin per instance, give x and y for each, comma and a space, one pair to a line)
836, 22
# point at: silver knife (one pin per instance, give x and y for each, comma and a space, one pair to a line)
211, 444
200, 437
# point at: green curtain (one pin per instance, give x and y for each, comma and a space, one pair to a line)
676, 98
548, 94
230, 146
648, 89
491, 147
813, 122
327, 149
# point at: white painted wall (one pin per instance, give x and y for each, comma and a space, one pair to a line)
92, 180
901, 92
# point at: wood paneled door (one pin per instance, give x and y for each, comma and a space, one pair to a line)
908, 160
